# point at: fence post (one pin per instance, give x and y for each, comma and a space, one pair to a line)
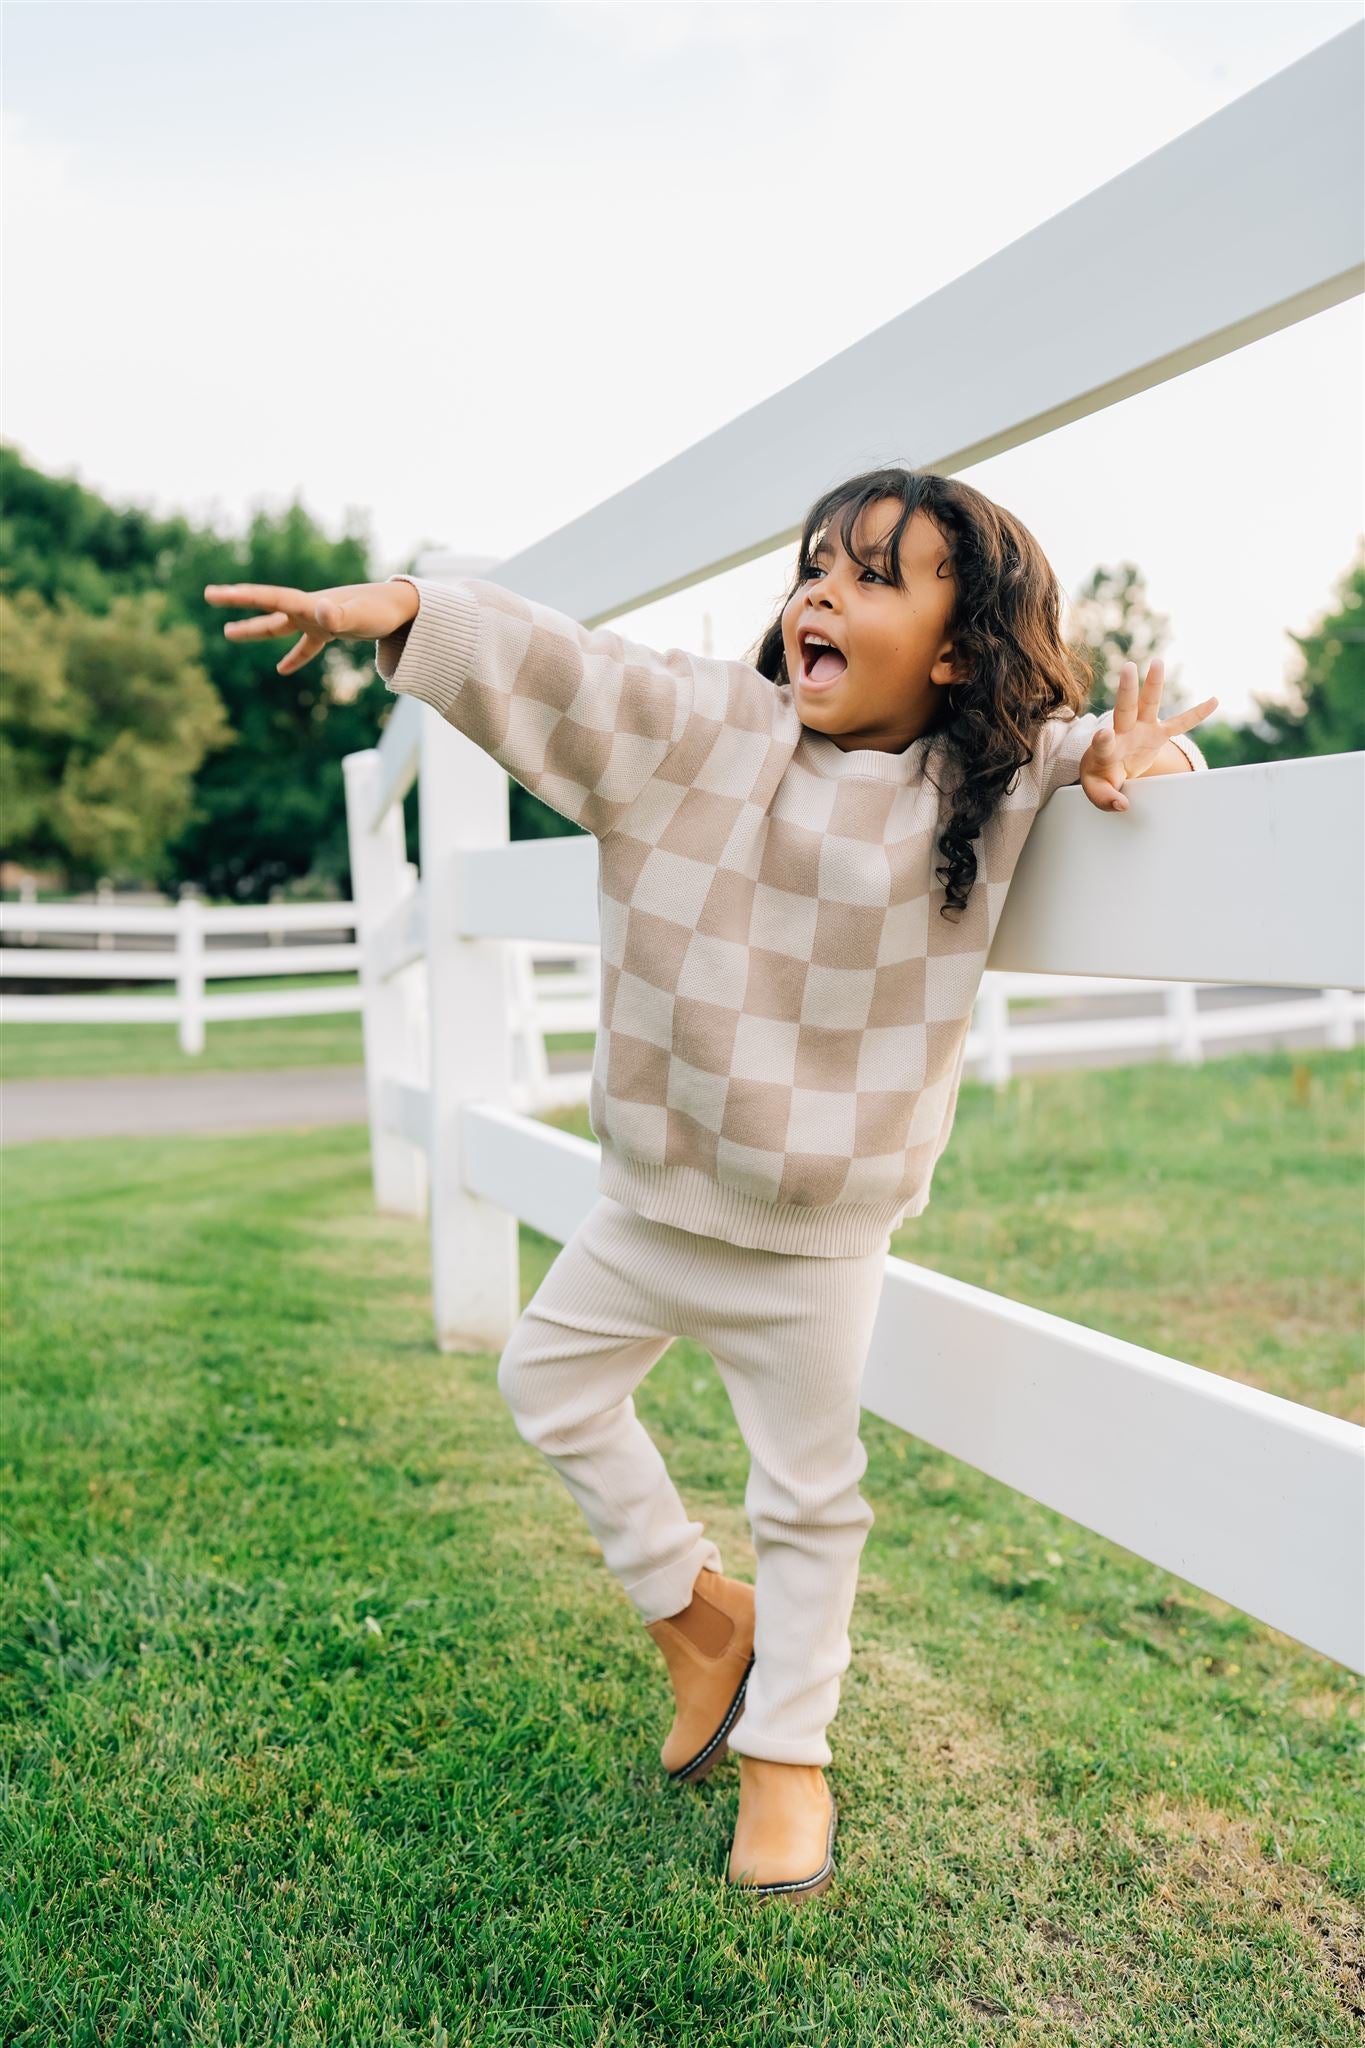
475, 1244
104, 895
531, 1068
995, 1005
1182, 1010
381, 877
1339, 1018
28, 893
189, 969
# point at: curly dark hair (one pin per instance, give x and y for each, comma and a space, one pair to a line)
1016, 668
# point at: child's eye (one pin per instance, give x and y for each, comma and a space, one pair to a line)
814, 570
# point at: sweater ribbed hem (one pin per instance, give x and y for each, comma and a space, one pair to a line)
690, 1199
432, 655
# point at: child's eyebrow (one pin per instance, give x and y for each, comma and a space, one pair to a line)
878, 552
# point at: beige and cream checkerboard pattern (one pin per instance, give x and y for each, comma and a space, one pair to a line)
784, 1013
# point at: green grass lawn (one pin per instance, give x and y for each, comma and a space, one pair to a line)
45, 1052
326, 1724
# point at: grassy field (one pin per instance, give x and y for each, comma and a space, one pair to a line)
326, 1725
52, 1052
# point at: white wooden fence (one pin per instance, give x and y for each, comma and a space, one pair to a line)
188, 961
565, 999
1249, 222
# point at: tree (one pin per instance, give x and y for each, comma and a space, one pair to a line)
1326, 712
57, 537
268, 810
1115, 623
268, 807
103, 723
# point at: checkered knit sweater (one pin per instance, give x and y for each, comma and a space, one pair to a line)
784, 1013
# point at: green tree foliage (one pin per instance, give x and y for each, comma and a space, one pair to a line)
268, 804
1327, 712
58, 538
104, 719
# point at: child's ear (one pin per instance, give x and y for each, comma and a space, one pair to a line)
948, 670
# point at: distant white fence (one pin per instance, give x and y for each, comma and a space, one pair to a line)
1250, 875
188, 961
565, 999
997, 1039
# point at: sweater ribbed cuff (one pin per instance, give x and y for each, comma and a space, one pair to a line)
1189, 750
432, 656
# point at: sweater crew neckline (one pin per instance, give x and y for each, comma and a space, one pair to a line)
826, 757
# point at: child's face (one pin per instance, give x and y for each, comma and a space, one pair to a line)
896, 655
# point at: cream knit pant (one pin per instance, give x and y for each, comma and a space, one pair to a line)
789, 1334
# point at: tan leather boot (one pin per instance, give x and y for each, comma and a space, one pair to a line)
784, 1833
709, 1651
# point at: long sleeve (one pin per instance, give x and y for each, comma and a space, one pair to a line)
1062, 743
582, 718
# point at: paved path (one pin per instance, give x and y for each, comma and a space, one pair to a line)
146, 1105
138, 1105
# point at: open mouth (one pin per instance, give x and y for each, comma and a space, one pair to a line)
821, 662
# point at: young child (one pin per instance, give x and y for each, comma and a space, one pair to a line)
802, 859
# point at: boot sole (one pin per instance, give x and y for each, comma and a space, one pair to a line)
798, 1887
706, 1758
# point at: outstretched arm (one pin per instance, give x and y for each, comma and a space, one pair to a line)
581, 717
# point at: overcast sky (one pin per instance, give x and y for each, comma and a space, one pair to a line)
471, 268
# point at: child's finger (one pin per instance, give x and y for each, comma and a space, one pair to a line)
303, 651
1181, 721
257, 629
1104, 795
266, 597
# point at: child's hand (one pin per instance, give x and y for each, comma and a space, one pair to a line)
349, 611
1120, 756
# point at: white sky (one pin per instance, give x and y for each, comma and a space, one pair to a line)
471, 268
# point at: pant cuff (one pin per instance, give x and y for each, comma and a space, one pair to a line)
746, 1742
668, 1590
